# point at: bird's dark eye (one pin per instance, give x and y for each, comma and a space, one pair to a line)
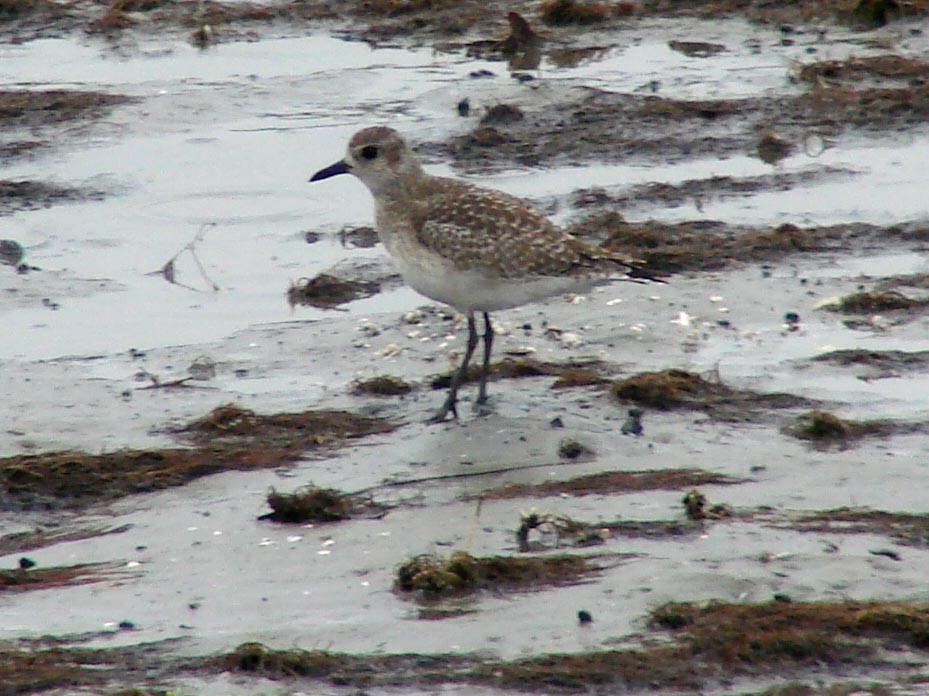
369, 152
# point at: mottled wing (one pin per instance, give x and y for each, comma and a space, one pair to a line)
480, 229
486, 230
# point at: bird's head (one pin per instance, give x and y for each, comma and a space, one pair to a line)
379, 157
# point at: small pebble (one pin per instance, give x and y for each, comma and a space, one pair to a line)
584, 617
11, 252
633, 424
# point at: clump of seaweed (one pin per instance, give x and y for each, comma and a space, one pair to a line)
743, 639
697, 507
702, 246
228, 438
314, 504
799, 632
326, 291
871, 302
382, 385
569, 374
255, 657
671, 389
904, 528
612, 482
824, 427
556, 530
565, 12
569, 448
309, 504
667, 389
432, 576
28, 577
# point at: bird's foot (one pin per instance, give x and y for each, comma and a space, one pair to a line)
448, 408
483, 407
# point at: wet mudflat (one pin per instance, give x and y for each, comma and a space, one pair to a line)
215, 475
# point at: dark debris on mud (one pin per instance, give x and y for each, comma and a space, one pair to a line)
382, 20
381, 385
23, 580
611, 482
315, 504
229, 438
31, 121
697, 507
33, 195
680, 389
581, 373
824, 428
291, 431
542, 531
856, 70
773, 640
708, 245
876, 310
877, 364
904, 528
430, 576
867, 302
597, 125
35, 108
327, 291
707, 643
50, 663
18, 542
699, 190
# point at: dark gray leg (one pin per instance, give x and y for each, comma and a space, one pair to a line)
451, 399
488, 347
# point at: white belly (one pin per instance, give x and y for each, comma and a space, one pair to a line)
470, 291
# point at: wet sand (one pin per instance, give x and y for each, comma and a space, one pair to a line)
192, 326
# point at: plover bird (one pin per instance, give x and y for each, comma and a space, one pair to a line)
475, 249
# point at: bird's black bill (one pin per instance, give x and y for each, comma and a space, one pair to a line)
331, 170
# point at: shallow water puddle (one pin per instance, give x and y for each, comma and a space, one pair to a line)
723, 59
231, 147
229, 136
